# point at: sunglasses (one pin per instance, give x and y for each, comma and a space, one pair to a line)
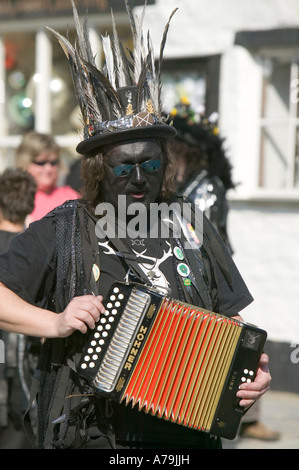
44, 162
127, 168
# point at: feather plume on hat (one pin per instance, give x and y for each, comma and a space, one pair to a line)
123, 101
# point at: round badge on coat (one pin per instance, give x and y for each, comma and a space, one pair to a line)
183, 270
96, 272
178, 253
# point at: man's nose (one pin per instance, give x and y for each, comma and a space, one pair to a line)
138, 175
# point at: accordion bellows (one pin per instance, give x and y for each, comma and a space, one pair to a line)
173, 360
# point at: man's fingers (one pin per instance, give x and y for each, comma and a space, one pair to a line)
81, 313
89, 310
250, 392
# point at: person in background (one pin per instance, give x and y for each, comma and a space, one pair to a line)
17, 193
73, 178
204, 171
204, 177
39, 154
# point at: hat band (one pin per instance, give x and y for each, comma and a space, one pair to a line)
142, 119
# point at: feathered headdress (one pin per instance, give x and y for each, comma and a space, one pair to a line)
123, 101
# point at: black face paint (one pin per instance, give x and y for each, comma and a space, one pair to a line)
134, 170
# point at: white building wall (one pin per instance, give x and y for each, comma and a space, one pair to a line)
239, 108
265, 242
204, 27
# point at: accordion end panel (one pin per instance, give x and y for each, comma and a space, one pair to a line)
174, 361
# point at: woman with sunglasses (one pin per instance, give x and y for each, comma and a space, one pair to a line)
39, 154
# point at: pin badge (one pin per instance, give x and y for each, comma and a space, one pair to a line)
183, 270
193, 234
178, 253
187, 282
96, 272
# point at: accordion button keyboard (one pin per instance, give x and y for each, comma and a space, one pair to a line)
112, 362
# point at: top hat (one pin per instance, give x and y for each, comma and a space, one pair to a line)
123, 101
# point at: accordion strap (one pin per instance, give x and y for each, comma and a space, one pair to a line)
130, 259
197, 293
120, 246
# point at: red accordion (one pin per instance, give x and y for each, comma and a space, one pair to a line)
173, 360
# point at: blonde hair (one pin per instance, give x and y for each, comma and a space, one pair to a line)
32, 145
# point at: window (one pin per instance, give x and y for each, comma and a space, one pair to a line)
279, 135
37, 93
65, 115
26, 65
19, 65
196, 79
36, 88
179, 85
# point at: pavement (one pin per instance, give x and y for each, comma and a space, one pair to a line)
280, 412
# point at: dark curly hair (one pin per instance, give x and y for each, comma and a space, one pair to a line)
93, 172
17, 194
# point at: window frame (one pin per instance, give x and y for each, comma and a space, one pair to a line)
291, 122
